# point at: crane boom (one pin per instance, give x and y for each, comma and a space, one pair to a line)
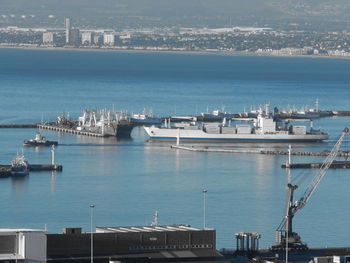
285, 235
321, 173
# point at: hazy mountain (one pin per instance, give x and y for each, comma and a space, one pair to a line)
122, 13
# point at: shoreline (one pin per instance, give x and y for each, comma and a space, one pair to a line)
145, 50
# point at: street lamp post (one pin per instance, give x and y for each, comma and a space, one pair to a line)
204, 191
91, 232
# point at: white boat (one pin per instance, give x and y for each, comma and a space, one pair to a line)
145, 118
265, 129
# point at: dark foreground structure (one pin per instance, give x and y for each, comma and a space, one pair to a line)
134, 244
175, 243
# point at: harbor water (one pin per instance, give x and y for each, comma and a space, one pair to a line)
129, 179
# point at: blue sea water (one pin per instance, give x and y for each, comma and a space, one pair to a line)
128, 180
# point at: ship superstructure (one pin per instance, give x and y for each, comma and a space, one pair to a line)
104, 122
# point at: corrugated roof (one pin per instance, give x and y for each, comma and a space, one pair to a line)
137, 229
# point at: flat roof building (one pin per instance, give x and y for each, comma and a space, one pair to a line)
86, 38
48, 38
108, 39
23, 245
134, 242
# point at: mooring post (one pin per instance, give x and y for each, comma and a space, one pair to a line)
289, 156
53, 155
178, 137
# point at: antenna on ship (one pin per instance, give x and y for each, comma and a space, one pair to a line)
155, 219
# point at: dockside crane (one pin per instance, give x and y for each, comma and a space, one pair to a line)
285, 237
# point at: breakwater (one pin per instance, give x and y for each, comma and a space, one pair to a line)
334, 165
6, 170
68, 130
30, 125
257, 151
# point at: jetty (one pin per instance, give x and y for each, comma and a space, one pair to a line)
53, 127
257, 151
334, 165
34, 167
7, 169
21, 126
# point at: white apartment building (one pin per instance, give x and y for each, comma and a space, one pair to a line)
108, 39
86, 38
48, 38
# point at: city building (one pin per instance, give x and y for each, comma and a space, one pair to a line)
108, 39
23, 245
136, 243
74, 37
67, 26
97, 40
48, 38
86, 38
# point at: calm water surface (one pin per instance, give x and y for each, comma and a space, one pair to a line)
128, 180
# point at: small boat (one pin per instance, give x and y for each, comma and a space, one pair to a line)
19, 166
39, 140
145, 118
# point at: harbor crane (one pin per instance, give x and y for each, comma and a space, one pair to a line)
285, 237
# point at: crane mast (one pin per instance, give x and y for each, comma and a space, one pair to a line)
285, 237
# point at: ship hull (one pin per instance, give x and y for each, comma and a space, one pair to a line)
148, 121
166, 134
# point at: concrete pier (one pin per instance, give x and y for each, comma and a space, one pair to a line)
5, 170
256, 151
45, 167
67, 130
334, 165
22, 126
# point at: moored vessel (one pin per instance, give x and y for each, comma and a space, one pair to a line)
19, 166
265, 129
145, 118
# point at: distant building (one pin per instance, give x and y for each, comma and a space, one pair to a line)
86, 38
108, 39
23, 245
48, 38
175, 243
67, 26
74, 37
97, 40
72, 34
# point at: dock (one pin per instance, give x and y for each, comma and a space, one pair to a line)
35, 167
257, 151
68, 130
21, 126
207, 149
342, 113
334, 165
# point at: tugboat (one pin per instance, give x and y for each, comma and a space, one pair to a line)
39, 140
19, 166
